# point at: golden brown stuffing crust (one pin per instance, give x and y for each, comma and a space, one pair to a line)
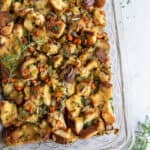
55, 70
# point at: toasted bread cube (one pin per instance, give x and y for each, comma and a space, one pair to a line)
107, 92
89, 132
71, 48
42, 38
107, 114
91, 114
3, 40
18, 30
56, 119
27, 133
74, 105
58, 5
84, 72
26, 92
73, 101
5, 5
55, 83
92, 39
45, 130
59, 27
42, 6
42, 58
30, 106
51, 49
32, 118
8, 89
4, 51
100, 17
97, 98
39, 95
63, 133
91, 36
104, 94
70, 88
76, 11
63, 136
8, 113
83, 89
32, 19
83, 58
28, 24
91, 65
46, 95
57, 60
74, 113
101, 127
29, 70
104, 45
19, 85
79, 123
7, 30
44, 74
81, 24
104, 77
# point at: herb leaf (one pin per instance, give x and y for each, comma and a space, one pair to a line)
87, 124
11, 61
83, 101
56, 28
142, 135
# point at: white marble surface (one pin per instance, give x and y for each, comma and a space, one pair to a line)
136, 19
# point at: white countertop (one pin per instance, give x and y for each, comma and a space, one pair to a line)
136, 19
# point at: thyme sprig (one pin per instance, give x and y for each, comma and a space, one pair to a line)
11, 62
142, 135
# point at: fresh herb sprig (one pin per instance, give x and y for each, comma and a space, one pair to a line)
124, 3
11, 62
142, 135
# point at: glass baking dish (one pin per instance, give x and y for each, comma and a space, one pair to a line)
124, 139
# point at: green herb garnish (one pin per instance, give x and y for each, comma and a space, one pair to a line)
33, 92
11, 61
23, 113
142, 135
45, 110
83, 101
79, 78
56, 28
29, 37
20, 43
125, 3
87, 124
50, 61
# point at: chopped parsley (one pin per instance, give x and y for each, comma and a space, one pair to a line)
50, 61
45, 110
83, 101
33, 92
56, 28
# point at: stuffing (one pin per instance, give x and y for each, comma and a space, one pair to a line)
55, 71
8, 113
